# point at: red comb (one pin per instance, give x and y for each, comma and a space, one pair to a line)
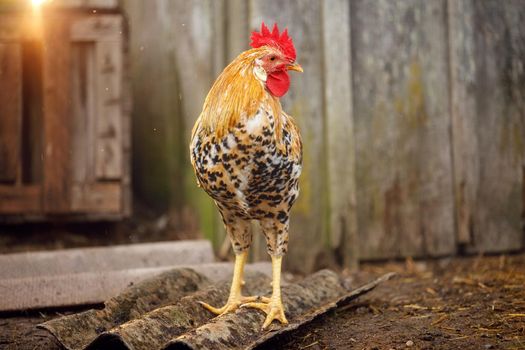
281, 41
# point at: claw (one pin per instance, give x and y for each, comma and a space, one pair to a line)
231, 305
218, 311
274, 310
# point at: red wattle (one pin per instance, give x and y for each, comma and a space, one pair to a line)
278, 83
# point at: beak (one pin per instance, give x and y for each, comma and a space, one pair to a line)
296, 67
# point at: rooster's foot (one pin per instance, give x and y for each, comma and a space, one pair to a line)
272, 307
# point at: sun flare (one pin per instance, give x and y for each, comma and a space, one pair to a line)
37, 3
35, 25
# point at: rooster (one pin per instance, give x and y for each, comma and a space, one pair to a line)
247, 153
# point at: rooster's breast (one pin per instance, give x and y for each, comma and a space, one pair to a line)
245, 171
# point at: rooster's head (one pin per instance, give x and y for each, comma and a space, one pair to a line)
277, 57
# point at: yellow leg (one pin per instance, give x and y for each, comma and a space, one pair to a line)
235, 299
273, 307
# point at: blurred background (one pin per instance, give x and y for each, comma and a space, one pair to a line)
412, 114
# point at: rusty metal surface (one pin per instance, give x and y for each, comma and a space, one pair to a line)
78, 330
154, 329
240, 329
163, 313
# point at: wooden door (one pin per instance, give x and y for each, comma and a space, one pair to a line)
64, 129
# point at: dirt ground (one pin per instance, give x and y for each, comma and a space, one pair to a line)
469, 303
459, 303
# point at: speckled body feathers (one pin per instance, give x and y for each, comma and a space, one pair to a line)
249, 177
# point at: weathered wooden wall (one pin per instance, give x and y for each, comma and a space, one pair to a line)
412, 114
404, 167
487, 79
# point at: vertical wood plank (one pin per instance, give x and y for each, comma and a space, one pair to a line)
156, 121
127, 107
10, 111
196, 62
198, 41
401, 114
32, 124
237, 28
462, 78
219, 39
304, 102
487, 55
83, 113
57, 115
108, 155
340, 150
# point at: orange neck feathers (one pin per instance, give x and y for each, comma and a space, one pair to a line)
237, 94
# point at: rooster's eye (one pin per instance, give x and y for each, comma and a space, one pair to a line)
272, 58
